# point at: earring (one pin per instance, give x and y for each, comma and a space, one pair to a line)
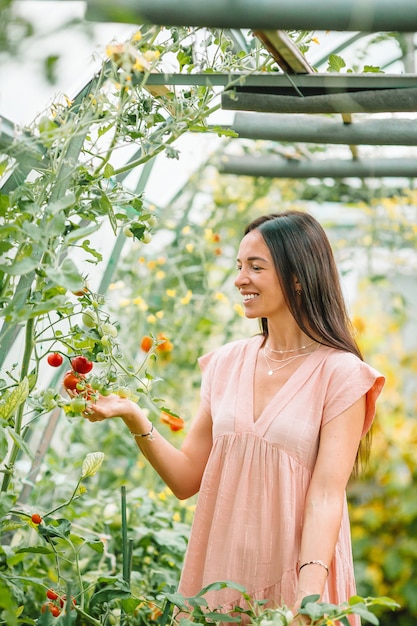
298, 292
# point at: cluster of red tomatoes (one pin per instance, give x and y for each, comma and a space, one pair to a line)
74, 380
56, 603
79, 364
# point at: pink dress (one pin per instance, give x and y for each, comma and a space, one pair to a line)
248, 521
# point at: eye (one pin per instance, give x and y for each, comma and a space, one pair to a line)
256, 268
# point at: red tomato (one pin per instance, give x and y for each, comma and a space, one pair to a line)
36, 518
63, 601
55, 359
146, 343
81, 365
71, 380
51, 594
174, 422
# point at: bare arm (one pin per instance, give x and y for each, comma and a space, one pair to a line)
339, 443
181, 469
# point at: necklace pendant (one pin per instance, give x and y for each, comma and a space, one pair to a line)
270, 373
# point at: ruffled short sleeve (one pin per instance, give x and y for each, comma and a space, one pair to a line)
350, 379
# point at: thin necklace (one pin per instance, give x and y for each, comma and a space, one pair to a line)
307, 345
286, 362
289, 358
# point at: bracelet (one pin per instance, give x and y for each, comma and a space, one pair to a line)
149, 435
318, 562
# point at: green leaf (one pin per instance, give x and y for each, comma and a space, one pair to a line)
361, 609
177, 599
20, 442
53, 304
92, 464
60, 205
34, 550
6, 502
223, 132
384, 601
372, 69
222, 585
80, 233
17, 268
14, 399
222, 617
55, 528
97, 546
108, 171
4, 447
130, 604
309, 599
119, 590
67, 275
336, 63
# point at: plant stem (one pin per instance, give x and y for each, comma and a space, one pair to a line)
29, 343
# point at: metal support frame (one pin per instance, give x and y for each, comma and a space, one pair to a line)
347, 15
273, 167
376, 101
280, 83
323, 130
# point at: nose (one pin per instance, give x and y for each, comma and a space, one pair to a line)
241, 278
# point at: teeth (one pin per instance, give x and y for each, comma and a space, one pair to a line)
249, 296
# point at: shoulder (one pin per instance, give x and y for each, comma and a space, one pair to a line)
344, 367
229, 351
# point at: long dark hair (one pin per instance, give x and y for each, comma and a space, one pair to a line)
300, 249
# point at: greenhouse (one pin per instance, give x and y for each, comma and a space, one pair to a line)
138, 140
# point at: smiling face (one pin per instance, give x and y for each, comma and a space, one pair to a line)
257, 279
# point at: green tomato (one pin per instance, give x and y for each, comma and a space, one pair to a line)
122, 392
78, 405
90, 318
127, 232
96, 383
108, 329
146, 237
112, 376
106, 341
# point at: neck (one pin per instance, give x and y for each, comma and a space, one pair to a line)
291, 339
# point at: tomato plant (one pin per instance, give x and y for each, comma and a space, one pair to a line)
36, 519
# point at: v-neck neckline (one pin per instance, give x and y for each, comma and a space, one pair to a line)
283, 394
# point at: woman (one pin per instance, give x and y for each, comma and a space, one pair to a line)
277, 433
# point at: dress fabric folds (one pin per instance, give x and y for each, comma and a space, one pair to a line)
248, 521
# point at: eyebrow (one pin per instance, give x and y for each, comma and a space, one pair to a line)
255, 258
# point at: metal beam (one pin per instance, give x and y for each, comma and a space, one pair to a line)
279, 83
273, 167
346, 15
376, 101
321, 130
